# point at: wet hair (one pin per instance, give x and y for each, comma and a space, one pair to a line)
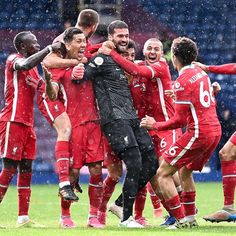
131, 44
87, 18
69, 33
185, 50
117, 24
19, 39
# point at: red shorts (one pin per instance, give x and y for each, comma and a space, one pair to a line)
233, 138
50, 109
18, 141
191, 152
86, 145
163, 140
109, 156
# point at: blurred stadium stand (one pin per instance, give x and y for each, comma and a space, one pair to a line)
211, 23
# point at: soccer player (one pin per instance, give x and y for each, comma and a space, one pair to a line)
87, 22
86, 140
54, 111
228, 159
119, 121
153, 102
18, 140
114, 164
194, 107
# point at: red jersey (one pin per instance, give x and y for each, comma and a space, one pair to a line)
19, 95
138, 92
78, 99
158, 79
195, 104
223, 69
160, 106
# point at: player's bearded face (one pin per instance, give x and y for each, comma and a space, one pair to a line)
120, 38
153, 51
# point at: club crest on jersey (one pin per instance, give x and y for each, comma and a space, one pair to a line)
98, 61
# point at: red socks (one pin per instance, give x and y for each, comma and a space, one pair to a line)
140, 202
188, 202
94, 192
229, 181
24, 192
65, 207
176, 209
62, 157
108, 188
156, 202
5, 179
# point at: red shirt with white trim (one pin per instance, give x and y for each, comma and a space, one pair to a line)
18, 94
160, 106
78, 99
195, 104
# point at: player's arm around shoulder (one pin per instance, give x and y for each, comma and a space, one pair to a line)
33, 60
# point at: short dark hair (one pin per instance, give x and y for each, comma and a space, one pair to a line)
19, 39
69, 33
131, 44
117, 24
87, 18
185, 50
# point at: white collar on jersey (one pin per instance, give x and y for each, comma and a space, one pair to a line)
185, 67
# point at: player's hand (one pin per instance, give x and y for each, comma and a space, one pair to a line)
106, 48
59, 47
78, 72
216, 88
129, 77
108, 44
170, 93
202, 66
32, 82
46, 74
148, 122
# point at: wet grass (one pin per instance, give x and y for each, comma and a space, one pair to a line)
45, 210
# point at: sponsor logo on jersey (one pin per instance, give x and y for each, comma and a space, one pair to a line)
178, 86
14, 150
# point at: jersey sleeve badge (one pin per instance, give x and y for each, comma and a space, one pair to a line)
98, 61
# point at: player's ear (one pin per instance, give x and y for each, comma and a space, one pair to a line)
67, 45
109, 37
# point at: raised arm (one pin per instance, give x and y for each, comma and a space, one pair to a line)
51, 88
130, 67
220, 69
33, 60
223, 69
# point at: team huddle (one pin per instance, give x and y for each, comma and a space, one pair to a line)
108, 109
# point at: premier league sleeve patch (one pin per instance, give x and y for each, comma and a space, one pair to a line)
98, 61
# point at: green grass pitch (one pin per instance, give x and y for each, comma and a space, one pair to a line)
45, 210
